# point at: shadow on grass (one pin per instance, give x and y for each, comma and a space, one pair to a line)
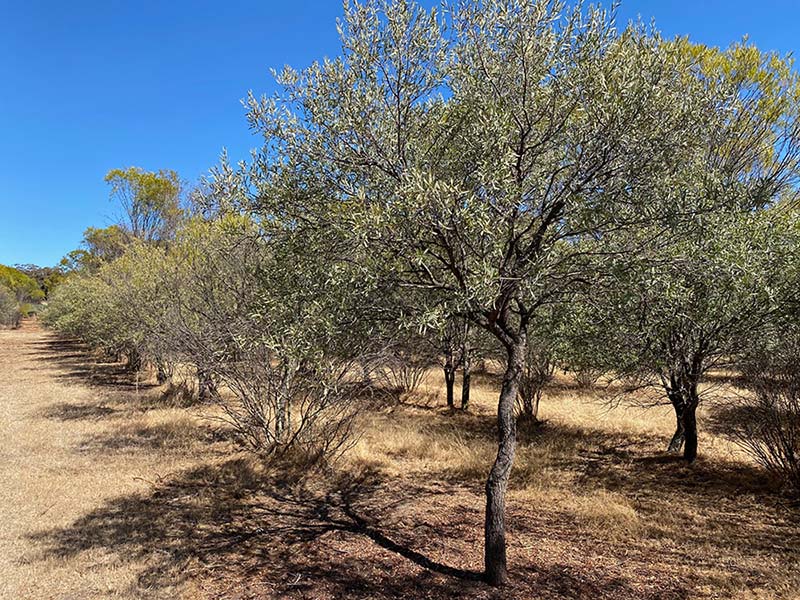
120, 392
66, 411
275, 532
79, 364
292, 530
730, 506
283, 531
171, 437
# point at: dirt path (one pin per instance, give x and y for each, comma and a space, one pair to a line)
63, 454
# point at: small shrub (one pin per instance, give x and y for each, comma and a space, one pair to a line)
586, 377
537, 372
768, 423
9, 310
405, 371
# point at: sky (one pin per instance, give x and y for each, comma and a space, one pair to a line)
89, 86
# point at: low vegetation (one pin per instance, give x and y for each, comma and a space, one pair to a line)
20, 295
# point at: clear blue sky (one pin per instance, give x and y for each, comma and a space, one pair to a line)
87, 86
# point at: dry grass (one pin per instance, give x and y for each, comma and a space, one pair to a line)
116, 493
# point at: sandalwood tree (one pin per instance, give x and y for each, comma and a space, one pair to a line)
466, 153
695, 304
705, 286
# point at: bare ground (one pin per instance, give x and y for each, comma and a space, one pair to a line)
108, 491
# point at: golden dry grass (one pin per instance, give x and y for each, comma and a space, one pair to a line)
70, 442
112, 493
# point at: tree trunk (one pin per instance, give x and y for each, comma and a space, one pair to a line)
496, 570
465, 383
449, 381
281, 410
690, 431
676, 443
449, 378
134, 361
530, 407
283, 421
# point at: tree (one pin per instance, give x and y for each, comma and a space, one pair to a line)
275, 317
47, 278
150, 202
99, 246
20, 293
695, 305
692, 301
468, 154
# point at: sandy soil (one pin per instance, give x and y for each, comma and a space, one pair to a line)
110, 491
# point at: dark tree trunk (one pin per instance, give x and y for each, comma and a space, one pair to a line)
676, 443
465, 384
450, 377
690, 431
496, 570
134, 361
449, 381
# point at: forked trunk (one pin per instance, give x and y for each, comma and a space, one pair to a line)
496, 569
530, 407
676, 443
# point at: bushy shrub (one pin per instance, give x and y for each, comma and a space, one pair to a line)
537, 371
406, 369
9, 310
766, 422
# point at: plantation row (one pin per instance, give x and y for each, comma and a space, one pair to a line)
510, 181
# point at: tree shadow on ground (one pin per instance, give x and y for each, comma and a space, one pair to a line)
292, 530
246, 530
79, 364
250, 531
120, 393
709, 511
66, 411
181, 436
275, 531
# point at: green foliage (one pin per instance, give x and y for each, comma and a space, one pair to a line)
598, 197
9, 309
150, 201
47, 278
700, 298
23, 287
